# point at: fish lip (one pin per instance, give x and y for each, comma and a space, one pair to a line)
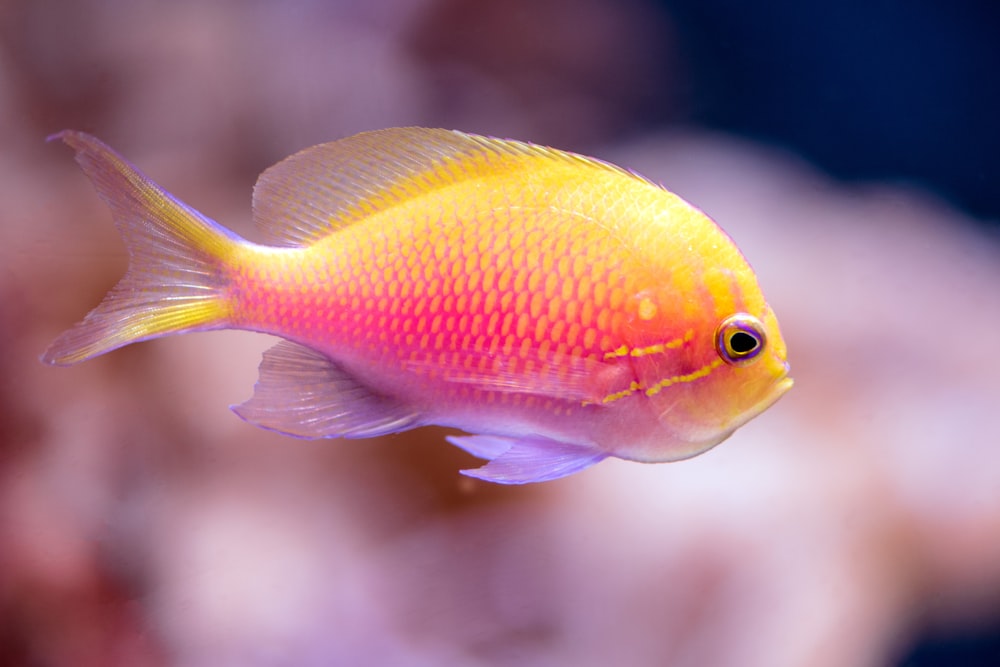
779, 389
784, 382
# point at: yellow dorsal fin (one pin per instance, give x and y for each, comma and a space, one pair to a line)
326, 187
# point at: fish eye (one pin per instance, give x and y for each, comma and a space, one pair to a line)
740, 338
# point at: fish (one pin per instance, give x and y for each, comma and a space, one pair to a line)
557, 309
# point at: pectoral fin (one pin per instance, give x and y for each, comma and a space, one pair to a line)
524, 460
572, 378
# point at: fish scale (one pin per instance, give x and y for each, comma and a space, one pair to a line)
558, 309
481, 304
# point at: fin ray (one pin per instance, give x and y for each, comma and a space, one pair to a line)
525, 460
304, 393
174, 281
326, 187
571, 378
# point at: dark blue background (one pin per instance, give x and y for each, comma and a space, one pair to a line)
866, 89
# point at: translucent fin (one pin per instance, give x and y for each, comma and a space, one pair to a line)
525, 460
303, 393
577, 379
174, 281
326, 187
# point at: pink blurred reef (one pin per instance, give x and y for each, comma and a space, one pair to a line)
143, 524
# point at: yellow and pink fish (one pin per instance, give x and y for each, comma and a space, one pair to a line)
557, 308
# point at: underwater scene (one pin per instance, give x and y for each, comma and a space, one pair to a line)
521, 332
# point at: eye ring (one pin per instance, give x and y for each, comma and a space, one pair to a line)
740, 338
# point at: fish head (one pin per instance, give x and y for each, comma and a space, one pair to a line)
753, 373
729, 372
704, 344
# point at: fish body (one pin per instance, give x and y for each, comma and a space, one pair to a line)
557, 308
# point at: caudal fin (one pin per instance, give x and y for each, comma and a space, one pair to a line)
175, 280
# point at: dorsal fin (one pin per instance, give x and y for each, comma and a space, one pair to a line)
326, 187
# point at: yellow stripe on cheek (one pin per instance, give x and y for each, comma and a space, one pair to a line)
610, 398
625, 351
678, 379
661, 385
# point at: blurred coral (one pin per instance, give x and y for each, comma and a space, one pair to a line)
143, 524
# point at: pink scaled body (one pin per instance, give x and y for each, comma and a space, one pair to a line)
559, 309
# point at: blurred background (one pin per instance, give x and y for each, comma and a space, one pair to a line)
850, 150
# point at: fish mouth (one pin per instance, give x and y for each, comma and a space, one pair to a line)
783, 385
778, 389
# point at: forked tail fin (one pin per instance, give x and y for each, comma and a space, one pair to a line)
176, 279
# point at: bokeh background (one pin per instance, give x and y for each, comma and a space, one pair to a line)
849, 148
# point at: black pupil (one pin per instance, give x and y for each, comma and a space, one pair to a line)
742, 343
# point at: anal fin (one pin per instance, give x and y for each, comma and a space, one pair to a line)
525, 460
304, 393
